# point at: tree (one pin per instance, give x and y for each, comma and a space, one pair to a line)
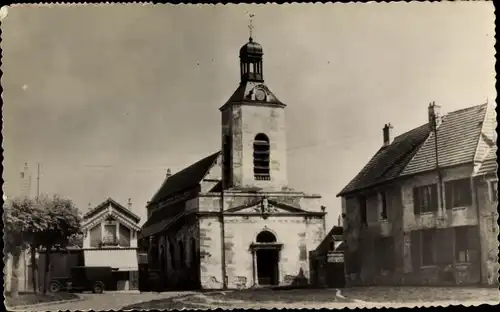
23, 222
64, 224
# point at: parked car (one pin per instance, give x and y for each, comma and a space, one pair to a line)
84, 278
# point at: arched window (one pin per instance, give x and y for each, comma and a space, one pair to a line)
261, 157
182, 253
266, 237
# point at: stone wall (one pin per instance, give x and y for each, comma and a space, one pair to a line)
404, 227
240, 232
489, 230
445, 270
364, 257
452, 217
247, 122
179, 268
210, 253
24, 273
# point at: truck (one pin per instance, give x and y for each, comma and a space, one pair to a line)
84, 278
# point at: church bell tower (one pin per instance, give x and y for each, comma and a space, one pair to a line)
253, 129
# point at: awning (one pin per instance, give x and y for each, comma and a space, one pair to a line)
121, 259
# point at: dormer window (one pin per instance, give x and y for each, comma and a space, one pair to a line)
261, 156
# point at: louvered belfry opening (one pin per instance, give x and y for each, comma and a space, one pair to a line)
261, 157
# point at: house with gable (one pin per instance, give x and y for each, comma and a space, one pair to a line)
423, 210
110, 239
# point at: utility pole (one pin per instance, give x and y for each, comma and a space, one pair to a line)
38, 182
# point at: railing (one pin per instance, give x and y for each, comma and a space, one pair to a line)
109, 241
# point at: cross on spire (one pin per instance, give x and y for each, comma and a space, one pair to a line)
250, 25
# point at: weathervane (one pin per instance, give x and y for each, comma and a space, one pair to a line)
250, 25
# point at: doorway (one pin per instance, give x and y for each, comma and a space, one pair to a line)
267, 266
267, 258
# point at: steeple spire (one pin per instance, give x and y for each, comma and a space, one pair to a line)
250, 26
251, 58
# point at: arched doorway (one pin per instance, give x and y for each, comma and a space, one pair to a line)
266, 258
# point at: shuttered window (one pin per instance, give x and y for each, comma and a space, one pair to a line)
428, 247
458, 193
466, 244
385, 250
425, 199
444, 246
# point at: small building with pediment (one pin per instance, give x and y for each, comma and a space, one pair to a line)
110, 239
230, 220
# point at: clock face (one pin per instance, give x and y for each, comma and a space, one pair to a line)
260, 95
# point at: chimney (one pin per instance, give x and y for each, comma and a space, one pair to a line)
434, 112
387, 131
169, 173
129, 204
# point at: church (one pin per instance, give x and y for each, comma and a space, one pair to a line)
230, 220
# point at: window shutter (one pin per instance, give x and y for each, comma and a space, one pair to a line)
415, 250
416, 201
466, 192
444, 248
448, 189
434, 197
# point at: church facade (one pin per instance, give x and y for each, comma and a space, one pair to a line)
230, 220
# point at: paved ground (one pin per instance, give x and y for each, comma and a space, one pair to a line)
107, 301
329, 298
299, 298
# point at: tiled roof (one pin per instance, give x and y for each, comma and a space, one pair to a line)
181, 181
458, 137
389, 161
489, 165
110, 201
185, 179
325, 243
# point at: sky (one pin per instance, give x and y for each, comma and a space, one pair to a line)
107, 97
